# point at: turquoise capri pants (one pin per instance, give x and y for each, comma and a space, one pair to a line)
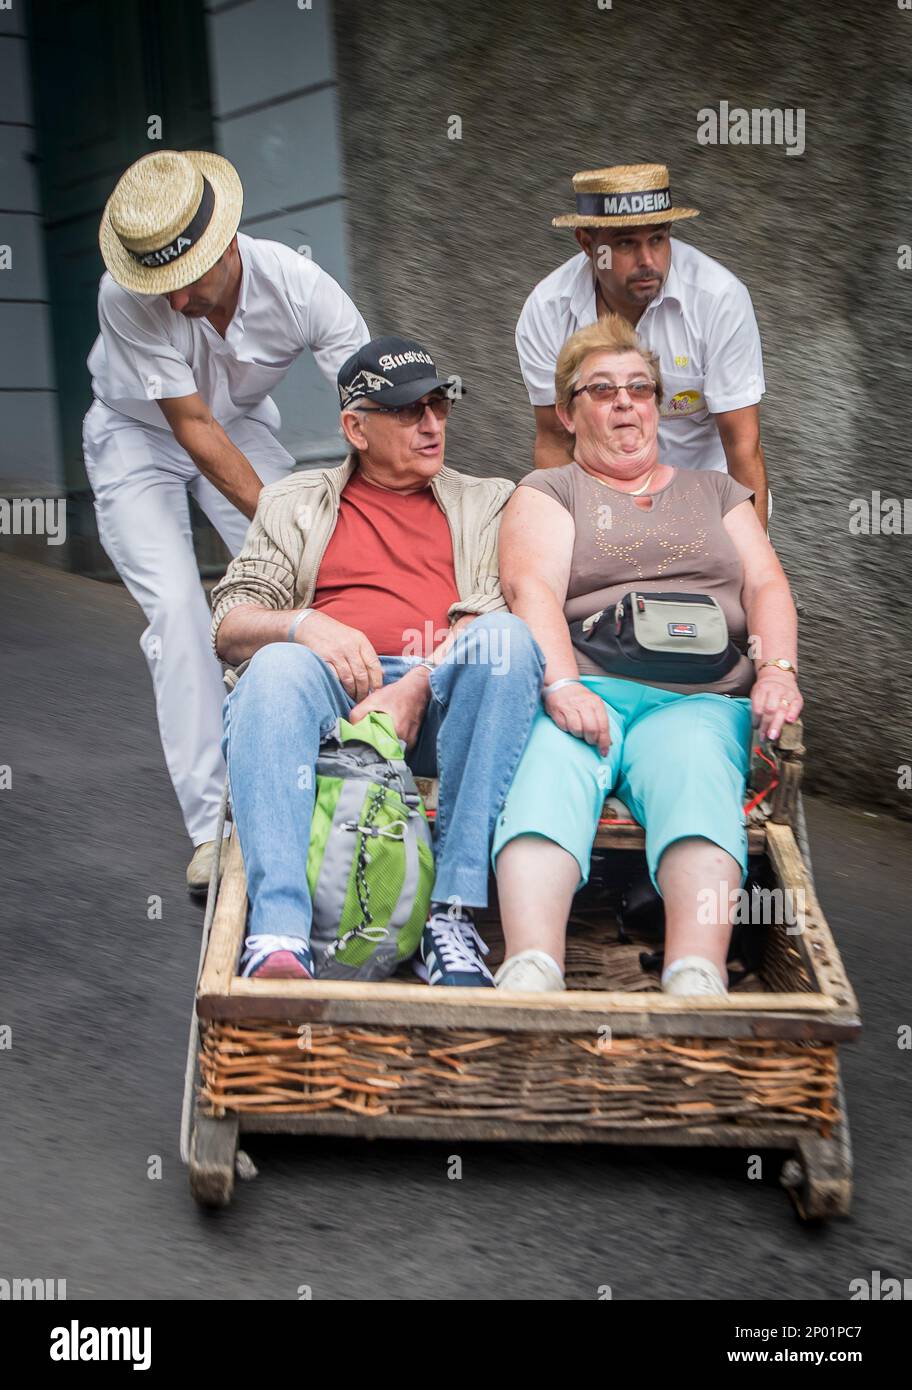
680, 762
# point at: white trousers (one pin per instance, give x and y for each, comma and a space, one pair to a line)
141, 476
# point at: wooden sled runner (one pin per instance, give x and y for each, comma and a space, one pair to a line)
611, 1060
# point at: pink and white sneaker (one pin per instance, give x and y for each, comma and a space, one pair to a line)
268, 957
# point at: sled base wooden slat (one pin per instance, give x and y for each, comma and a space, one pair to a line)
408, 1127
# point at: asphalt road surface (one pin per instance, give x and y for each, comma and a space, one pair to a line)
98, 998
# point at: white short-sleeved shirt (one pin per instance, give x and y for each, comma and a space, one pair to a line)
286, 304
701, 326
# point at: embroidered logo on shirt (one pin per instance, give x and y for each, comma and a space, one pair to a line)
681, 361
684, 403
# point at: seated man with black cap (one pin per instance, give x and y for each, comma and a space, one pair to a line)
373, 586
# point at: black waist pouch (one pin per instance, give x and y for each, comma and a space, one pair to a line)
677, 638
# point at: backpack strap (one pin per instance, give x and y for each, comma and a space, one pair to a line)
408, 788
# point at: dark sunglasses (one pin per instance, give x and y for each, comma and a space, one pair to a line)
607, 391
412, 413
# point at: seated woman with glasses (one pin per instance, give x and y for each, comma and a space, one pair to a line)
655, 697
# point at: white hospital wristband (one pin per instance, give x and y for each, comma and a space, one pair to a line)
296, 622
556, 685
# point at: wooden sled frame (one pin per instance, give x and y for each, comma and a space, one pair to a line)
376, 1060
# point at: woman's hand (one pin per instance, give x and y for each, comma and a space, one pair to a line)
579, 711
775, 700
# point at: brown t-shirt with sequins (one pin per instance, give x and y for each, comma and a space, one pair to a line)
680, 542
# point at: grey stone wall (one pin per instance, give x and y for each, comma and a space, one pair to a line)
448, 236
30, 458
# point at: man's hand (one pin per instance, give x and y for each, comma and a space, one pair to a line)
579, 711
346, 650
404, 700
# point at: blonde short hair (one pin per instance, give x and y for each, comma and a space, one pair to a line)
612, 334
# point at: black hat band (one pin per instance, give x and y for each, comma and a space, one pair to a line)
623, 204
185, 239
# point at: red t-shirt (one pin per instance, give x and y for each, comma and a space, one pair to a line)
388, 568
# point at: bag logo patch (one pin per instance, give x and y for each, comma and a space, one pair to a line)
682, 629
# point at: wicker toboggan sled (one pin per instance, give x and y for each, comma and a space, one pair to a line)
611, 1060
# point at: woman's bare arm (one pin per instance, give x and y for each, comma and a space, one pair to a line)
536, 546
772, 621
536, 549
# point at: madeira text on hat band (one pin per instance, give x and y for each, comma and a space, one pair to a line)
185, 239
621, 204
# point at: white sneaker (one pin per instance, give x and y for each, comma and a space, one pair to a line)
530, 971
693, 975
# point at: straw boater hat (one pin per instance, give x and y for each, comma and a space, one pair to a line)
169, 219
626, 195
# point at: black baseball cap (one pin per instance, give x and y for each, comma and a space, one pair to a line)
391, 371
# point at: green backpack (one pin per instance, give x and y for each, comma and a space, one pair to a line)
370, 868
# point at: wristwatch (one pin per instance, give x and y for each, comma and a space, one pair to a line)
781, 662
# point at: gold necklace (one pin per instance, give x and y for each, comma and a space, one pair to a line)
637, 492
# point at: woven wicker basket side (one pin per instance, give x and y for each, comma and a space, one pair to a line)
459, 1073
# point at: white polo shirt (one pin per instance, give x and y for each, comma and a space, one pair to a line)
701, 326
286, 304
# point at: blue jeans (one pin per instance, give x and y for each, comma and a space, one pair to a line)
482, 701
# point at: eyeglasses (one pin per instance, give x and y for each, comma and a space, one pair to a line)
412, 413
603, 391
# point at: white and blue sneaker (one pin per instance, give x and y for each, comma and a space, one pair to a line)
268, 957
451, 951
